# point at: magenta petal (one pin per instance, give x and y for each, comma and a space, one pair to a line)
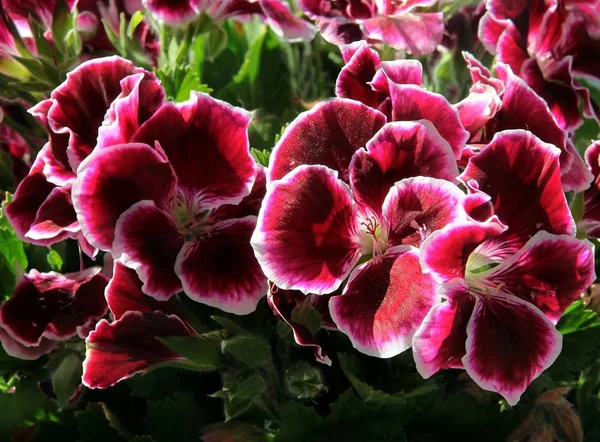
328, 135
17, 350
550, 271
384, 303
439, 343
124, 294
111, 180
305, 238
399, 150
56, 218
416, 33
504, 9
498, 358
177, 13
521, 175
206, 142
478, 107
353, 80
128, 346
284, 23
410, 103
221, 270
490, 30
401, 72
417, 207
51, 305
141, 96
146, 239
578, 177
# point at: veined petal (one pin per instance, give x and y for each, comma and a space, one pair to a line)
353, 80
305, 238
206, 142
220, 269
521, 174
498, 358
111, 180
399, 150
327, 135
384, 303
146, 240
410, 103
124, 294
550, 271
439, 343
416, 207
118, 350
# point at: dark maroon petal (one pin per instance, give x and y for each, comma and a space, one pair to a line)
591, 217
355, 76
306, 231
250, 205
327, 135
206, 142
146, 239
172, 12
384, 303
512, 48
521, 175
29, 197
399, 150
139, 99
440, 341
220, 269
17, 350
128, 346
417, 207
56, 218
284, 23
498, 358
339, 30
111, 181
81, 102
410, 103
550, 271
578, 177
50, 305
415, 33
124, 294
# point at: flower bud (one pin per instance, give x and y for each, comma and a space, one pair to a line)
304, 381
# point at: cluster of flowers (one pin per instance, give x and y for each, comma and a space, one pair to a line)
405, 220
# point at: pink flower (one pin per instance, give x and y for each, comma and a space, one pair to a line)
552, 46
50, 307
42, 211
391, 22
507, 102
337, 213
507, 280
177, 202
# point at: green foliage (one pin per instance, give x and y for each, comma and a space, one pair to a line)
13, 260
249, 350
239, 393
176, 418
202, 352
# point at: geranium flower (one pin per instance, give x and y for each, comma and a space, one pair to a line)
49, 307
552, 46
165, 203
388, 21
314, 231
507, 102
508, 281
42, 211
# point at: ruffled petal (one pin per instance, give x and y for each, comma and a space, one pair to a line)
410, 103
206, 142
118, 350
490, 30
146, 240
498, 358
284, 23
578, 178
439, 343
53, 306
327, 135
17, 350
220, 269
399, 150
305, 238
550, 271
111, 180
56, 218
250, 205
416, 207
521, 174
124, 294
353, 80
384, 303
178, 13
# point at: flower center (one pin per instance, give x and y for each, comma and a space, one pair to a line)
373, 238
192, 221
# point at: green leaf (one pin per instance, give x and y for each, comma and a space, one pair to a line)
62, 23
136, 19
577, 318
203, 352
252, 351
66, 378
216, 42
177, 418
13, 260
240, 394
